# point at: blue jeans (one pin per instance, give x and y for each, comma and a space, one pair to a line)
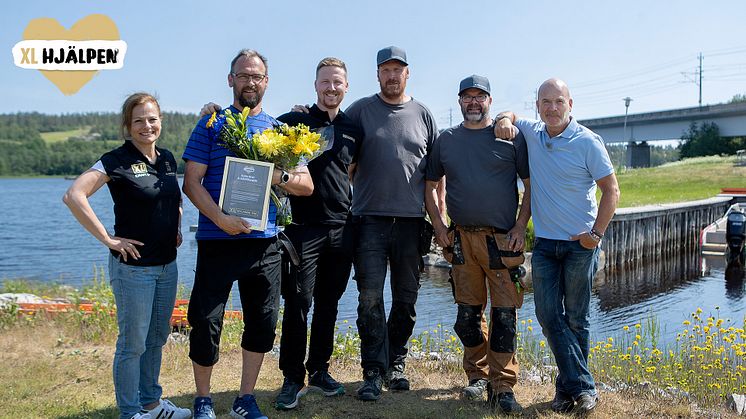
562, 274
145, 298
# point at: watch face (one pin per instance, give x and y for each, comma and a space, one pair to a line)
285, 177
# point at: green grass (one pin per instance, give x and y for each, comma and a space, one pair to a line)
57, 136
686, 180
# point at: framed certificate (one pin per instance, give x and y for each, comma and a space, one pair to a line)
245, 190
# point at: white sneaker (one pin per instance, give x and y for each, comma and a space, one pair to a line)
142, 415
168, 410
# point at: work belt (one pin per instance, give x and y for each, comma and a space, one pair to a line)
478, 229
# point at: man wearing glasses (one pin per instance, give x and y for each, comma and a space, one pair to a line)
485, 241
228, 250
567, 162
388, 212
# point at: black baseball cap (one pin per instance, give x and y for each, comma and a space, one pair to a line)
392, 53
479, 82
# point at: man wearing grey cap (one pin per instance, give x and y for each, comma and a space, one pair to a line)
388, 176
485, 242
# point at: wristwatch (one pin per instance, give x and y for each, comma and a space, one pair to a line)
284, 178
595, 235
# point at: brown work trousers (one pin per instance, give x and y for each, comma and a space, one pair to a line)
470, 288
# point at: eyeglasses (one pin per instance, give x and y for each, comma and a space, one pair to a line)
478, 98
244, 77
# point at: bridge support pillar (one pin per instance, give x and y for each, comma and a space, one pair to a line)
638, 154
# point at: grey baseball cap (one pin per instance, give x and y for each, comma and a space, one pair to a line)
392, 53
479, 82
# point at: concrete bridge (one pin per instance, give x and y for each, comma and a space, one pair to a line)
643, 128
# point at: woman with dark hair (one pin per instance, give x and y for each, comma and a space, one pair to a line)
142, 262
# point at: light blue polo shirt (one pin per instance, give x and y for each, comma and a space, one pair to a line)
563, 174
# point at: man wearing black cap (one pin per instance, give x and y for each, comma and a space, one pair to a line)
388, 213
485, 243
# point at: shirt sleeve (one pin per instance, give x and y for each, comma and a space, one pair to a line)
521, 152
199, 145
434, 171
99, 167
597, 160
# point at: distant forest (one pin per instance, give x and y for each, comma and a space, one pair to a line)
24, 150
39, 144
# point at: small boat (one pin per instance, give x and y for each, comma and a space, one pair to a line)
727, 235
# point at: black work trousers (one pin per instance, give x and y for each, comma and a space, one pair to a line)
382, 242
325, 253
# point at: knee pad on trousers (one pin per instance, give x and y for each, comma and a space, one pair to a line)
503, 336
468, 325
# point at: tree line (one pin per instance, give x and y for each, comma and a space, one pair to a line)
23, 151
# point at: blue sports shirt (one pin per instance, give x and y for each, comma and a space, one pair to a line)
203, 147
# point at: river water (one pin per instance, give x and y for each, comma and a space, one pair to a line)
40, 240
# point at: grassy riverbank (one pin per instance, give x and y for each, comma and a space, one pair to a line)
61, 367
685, 180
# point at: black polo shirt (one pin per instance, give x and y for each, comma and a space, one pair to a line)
146, 202
332, 195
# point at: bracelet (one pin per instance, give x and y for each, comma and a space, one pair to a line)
596, 236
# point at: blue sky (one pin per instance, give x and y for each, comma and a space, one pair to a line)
605, 51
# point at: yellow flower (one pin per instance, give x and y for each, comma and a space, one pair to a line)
637, 326
687, 322
626, 328
212, 120
542, 344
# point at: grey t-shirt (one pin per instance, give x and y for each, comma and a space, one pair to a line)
391, 158
482, 171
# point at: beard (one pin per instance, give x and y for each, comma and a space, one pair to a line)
472, 116
330, 102
250, 99
392, 89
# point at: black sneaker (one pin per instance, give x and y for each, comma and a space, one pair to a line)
396, 379
289, 395
562, 403
324, 382
505, 401
475, 390
585, 403
371, 388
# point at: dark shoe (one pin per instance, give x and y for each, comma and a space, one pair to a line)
203, 408
562, 403
585, 403
289, 395
371, 388
397, 380
323, 381
245, 407
475, 390
505, 401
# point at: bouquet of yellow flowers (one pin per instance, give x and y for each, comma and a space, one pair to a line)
285, 146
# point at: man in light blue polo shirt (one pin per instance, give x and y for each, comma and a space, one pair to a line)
567, 161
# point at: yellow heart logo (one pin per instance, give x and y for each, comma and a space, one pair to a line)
92, 27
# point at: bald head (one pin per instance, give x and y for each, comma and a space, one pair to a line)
554, 104
557, 85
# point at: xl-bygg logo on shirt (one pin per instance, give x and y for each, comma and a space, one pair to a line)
70, 58
140, 169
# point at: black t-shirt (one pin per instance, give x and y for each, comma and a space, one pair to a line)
330, 201
146, 202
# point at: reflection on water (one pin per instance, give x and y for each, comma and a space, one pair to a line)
734, 282
642, 279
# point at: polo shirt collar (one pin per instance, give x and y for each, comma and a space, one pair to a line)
130, 146
570, 129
